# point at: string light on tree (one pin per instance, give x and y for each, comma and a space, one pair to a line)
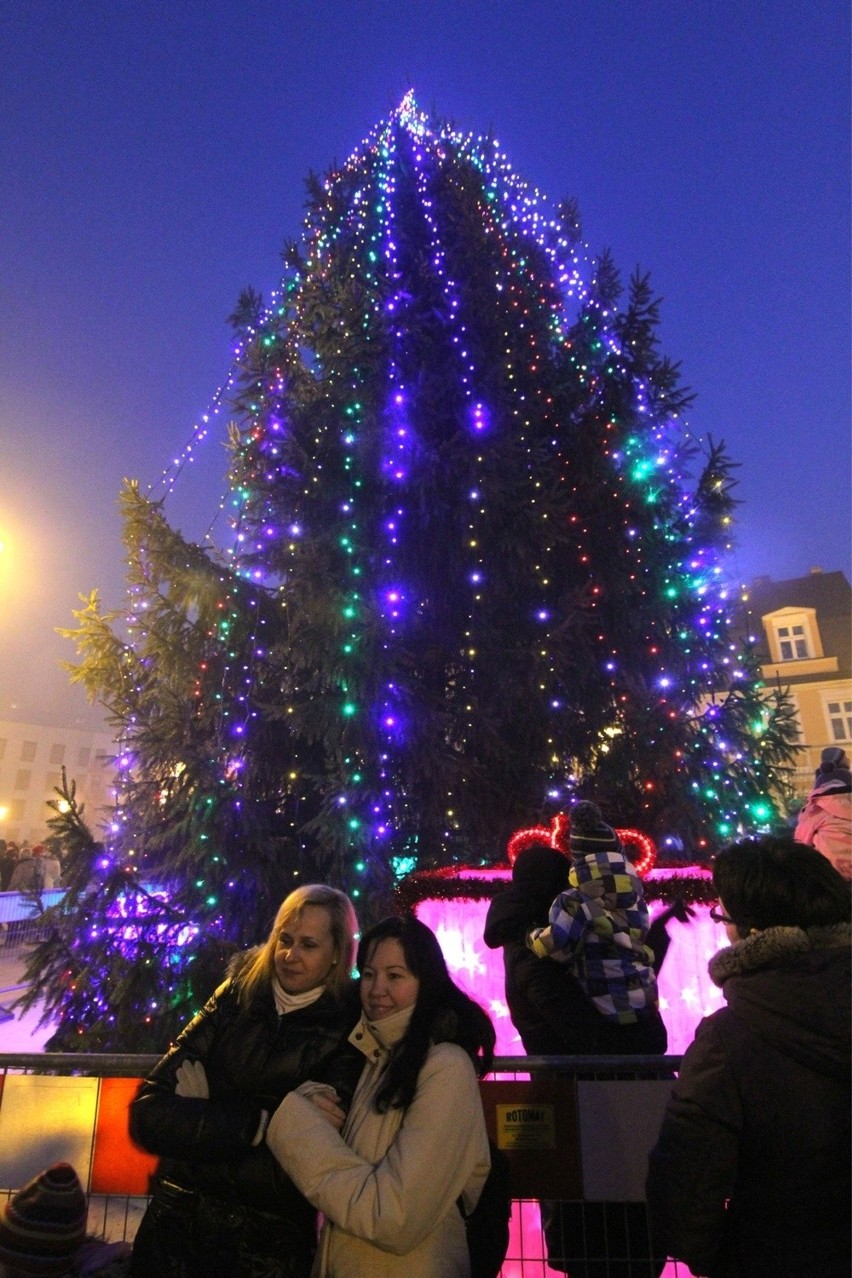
476, 569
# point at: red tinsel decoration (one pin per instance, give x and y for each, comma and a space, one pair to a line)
690, 883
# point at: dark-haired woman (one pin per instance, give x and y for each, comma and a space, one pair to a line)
222, 1207
414, 1139
750, 1177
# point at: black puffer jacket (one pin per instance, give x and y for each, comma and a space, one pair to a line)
750, 1177
209, 1171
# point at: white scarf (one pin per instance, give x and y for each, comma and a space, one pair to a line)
285, 1002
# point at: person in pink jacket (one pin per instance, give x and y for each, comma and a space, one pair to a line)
826, 819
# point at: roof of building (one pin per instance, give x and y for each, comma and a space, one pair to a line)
828, 593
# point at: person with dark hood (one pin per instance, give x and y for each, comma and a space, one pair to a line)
598, 928
826, 819
554, 1016
547, 1007
750, 1175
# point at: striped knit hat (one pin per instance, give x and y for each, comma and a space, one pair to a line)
589, 833
44, 1224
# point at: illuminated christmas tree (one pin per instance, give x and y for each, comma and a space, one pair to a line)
477, 570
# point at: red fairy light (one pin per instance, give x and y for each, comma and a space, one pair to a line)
647, 849
526, 838
561, 826
641, 849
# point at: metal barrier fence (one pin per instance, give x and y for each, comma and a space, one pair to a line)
15, 906
17, 935
18, 932
576, 1131
20, 924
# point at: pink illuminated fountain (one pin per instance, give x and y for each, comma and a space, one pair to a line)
454, 902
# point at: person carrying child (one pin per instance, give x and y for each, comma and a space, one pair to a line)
599, 927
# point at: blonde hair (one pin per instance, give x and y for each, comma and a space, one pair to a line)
259, 970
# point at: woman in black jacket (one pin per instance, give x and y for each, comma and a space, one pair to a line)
222, 1207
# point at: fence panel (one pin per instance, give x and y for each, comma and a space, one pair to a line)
576, 1131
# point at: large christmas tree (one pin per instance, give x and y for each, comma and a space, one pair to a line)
477, 569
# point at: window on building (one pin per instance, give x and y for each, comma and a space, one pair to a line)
839, 720
792, 634
792, 643
57, 754
52, 781
2, 746
84, 754
23, 778
28, 751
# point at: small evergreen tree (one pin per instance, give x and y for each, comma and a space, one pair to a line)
477, 570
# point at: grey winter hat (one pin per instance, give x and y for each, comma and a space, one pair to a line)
833, 771
589, 833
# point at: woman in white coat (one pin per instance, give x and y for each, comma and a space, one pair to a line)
414, 1140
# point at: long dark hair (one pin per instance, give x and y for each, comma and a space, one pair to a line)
442, 1014
775, 882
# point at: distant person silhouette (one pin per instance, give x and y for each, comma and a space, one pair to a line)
825, 821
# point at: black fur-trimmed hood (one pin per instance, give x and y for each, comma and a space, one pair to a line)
775, 945
791, 988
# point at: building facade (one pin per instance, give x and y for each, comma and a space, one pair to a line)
803, 631
31, 760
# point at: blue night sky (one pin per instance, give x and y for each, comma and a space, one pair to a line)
153, 158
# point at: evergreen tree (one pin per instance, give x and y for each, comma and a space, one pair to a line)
477, 570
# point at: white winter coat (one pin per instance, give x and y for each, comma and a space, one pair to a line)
388, 1183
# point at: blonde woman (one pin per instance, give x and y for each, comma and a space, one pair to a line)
222, 1208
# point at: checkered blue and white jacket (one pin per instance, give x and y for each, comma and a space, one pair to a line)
599, 926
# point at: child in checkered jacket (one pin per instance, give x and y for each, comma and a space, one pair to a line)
599, 926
